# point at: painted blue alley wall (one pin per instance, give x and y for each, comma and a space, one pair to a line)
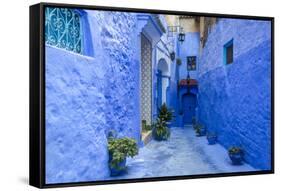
87, 96
190, 47
234, 100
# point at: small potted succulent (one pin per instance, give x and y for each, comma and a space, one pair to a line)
212, 138
200, 130
236, 155
119, 149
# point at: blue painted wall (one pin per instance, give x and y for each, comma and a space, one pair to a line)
234, 100
86, 96
190, 47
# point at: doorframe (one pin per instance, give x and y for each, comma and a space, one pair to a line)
181, 101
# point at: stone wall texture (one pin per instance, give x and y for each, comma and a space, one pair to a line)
87, 96
235, 100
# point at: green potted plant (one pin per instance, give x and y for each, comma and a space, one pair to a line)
143, 125
236, 155
212, 138
200, 130
119, 149
160, 131
164, 113
148, 128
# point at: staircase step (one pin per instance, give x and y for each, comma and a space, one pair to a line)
146, 137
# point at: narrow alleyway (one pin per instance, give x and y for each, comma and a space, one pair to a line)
183, 154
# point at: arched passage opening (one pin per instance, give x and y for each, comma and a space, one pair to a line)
162, 81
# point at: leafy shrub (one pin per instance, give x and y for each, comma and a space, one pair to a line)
121, 148
148, 128
160, 130
165, 114
200, 129
145, 127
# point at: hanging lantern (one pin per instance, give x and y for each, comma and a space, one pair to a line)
181, 37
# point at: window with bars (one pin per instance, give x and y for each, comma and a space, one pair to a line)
228, 52
191, 63
63, 29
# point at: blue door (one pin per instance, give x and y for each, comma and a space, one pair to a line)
159, 89
188, 106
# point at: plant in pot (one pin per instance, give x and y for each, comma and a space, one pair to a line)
143, 125
212, 138
236, 155
160, 131
119, 149
148, 128
200, 130
165, 113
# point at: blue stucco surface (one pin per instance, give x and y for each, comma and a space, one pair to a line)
190, 47
87, 96
234, 100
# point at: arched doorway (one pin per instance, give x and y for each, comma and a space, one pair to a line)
162, 82
188, 107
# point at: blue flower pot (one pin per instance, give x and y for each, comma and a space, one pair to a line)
212, 140
236, 159
118, 171
157, 137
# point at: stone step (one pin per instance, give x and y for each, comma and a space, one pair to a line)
146, 137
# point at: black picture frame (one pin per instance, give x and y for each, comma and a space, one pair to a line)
37, 96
